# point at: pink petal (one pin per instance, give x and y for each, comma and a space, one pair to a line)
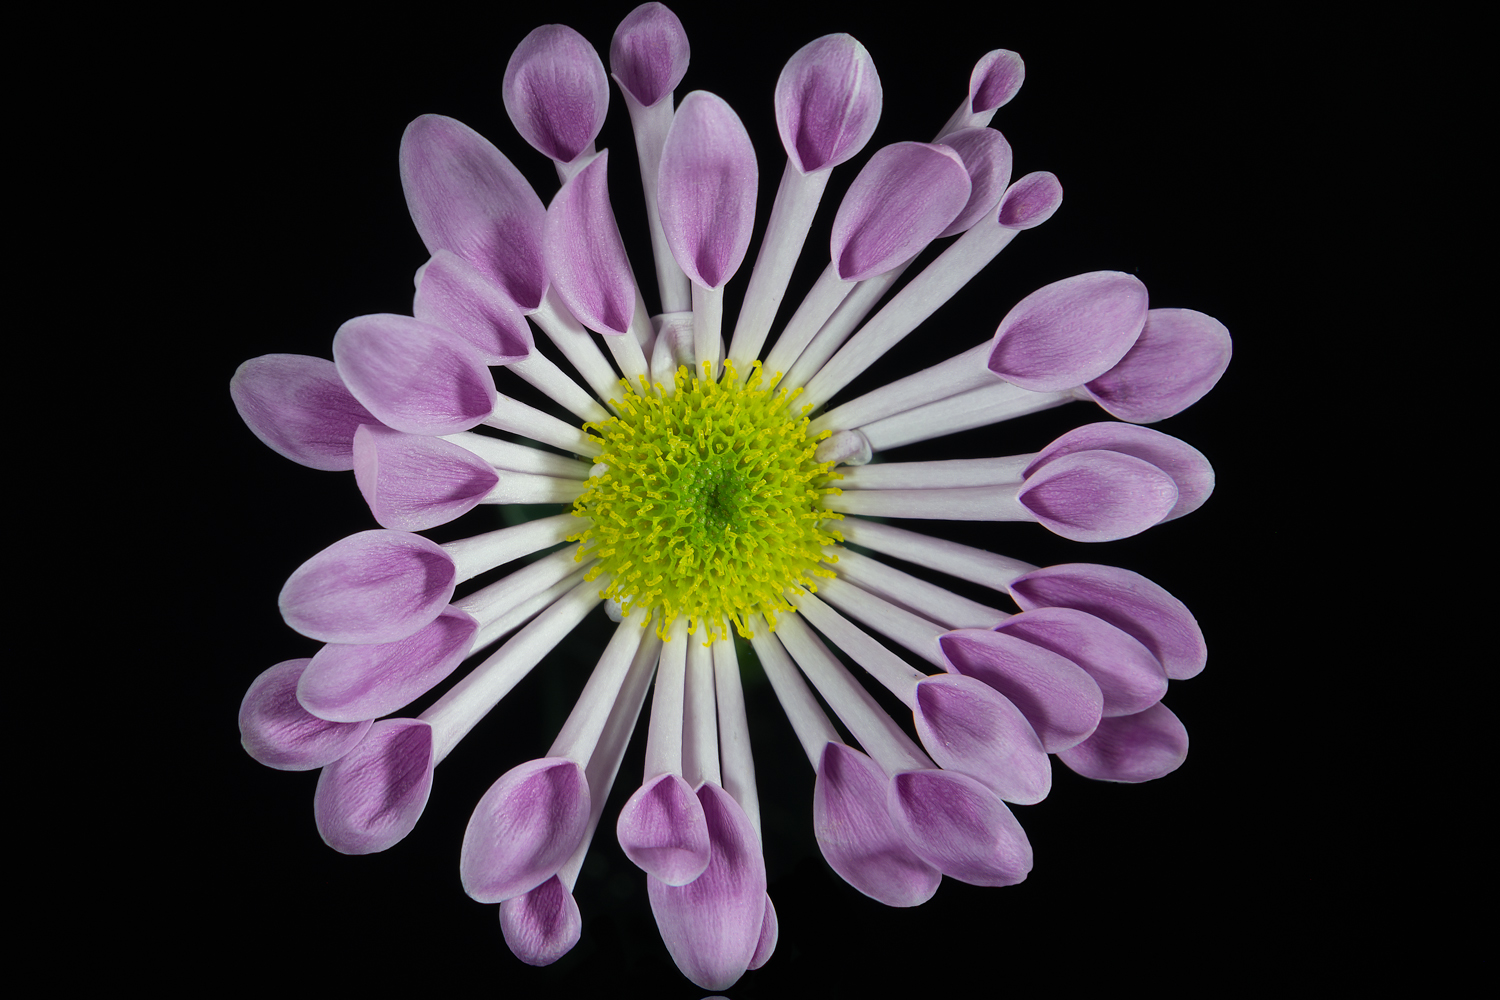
857, 835
278, 732
1098, 496
1129, 675
995, 80
555, 92
346, 682
712, 925
374, 586
1070, 331
828, 100
414, 377
525, 827
299, 407
542, 925
413, 481
371, 798
1132, 748
706, 186
1184, 463
1179, 357
770, 932
465, 196
1031, 201
585, 255
968, 726
649, 53
958, 826
1057, 696
662, 828
987, 157
1127, 601
452, 294
902, 199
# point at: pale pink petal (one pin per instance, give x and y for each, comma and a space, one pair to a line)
902, 199
542, 925
1070, 331
555, 92
413, 481
524, 828
706, 187
300, 408
371, 798
278, 732
1178, 357
662, 828
415, 377
373, 586
828, 100
1132, 748
1057, 696
1098, 496
452, 294
1184, 463
649, 53
968, 726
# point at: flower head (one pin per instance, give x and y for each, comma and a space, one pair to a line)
720, 493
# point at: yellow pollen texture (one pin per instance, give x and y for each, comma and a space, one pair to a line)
712, 502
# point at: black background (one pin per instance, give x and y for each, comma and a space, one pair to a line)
1175, 141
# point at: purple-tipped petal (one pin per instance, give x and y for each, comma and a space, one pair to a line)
968, 726
412, 481
525, 827
706, 187
465, 196
585, 254
770, 931
857, 836
1184, 463
1127, 601
371, 798
649, 54
987, 157
995, 80
452, 294
299, 407
1031, 201
828, 101
374, 586
711, 926
555, 92
1070, 331
347, 682
904, 197
1057, 696
415, 377
278, 732
1178, 357
664, 831
1129, 675
1098, 496
542, 925
1132, 748
958, 826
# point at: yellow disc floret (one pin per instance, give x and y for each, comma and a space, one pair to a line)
711, 502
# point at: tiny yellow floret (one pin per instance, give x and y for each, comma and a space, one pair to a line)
711, 502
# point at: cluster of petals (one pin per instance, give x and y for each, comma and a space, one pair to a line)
409, 404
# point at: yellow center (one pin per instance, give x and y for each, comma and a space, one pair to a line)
711, 502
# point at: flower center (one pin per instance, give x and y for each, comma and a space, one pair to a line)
711, 502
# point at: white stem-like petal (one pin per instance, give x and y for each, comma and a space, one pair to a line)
822, 302
958, 503
664, 739
580, 734
927, 599
541, 372
519, 487
955, 559
891, 671
892, 621
708, 323
975, 408
520, 418
472, 556
513, 457
700, 728
626, 350
575, 343
737, 767
813, 728
937, 475
851, 312
650, 126
958, 374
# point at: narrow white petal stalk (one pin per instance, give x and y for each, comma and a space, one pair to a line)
791, 216
664, 739
575, 343
956, 503
519, 487
700, 730
876, 731
527, 606
708, 324
489, 603
936, 475
913, 304
736, 764
891, 671
650, 126
472, 556
604, 765
673, 349
580, 733
813, 728
513, 457
851, 312
468, 701
956, 375
540, 371
822, 302
964, 561
519, 418
975, 408
896, 623
627, 352
927, 599
565, 171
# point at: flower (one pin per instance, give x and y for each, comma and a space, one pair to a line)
708, 501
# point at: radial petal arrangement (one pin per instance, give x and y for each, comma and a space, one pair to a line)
720, 495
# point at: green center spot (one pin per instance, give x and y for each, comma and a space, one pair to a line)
711, 504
